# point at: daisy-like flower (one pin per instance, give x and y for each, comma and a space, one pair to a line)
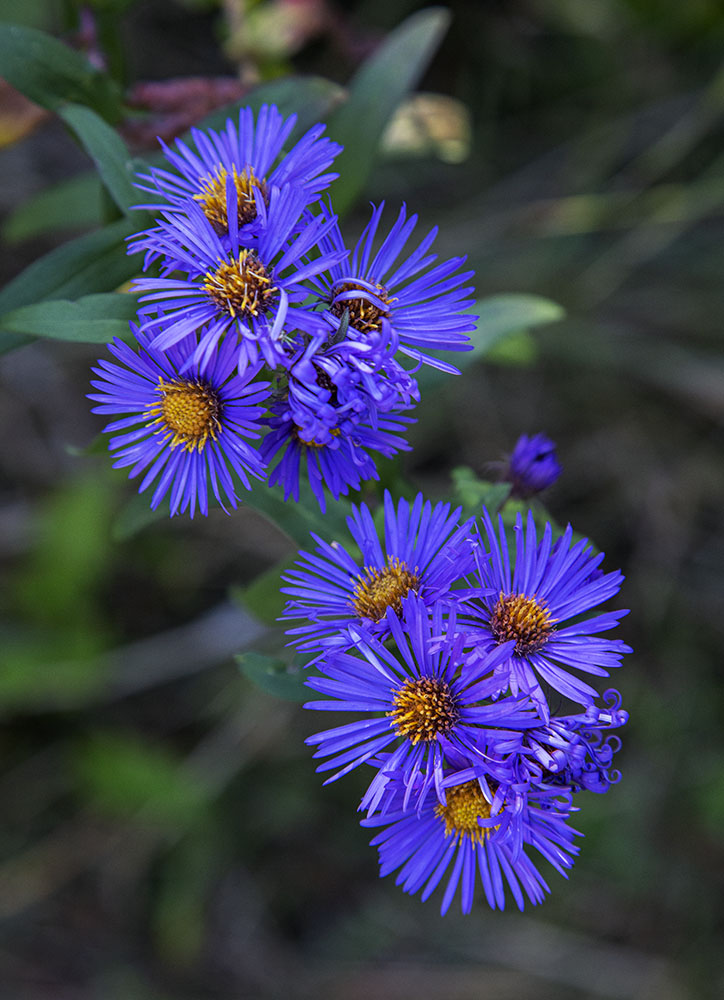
183, 427
533, 465
406, 304
244, 156
339, 462
248, 288
549, 585
475, 835
424, 550
411, 699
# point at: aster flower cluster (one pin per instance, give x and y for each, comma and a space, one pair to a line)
461, 650
263, 348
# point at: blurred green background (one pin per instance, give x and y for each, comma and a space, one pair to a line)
164, 834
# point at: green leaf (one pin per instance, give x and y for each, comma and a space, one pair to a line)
309, 97
32, 13
275, 677
377, 89
499, 317
472, 492
9, 341
95, 262
517, 348
107, 150
92, 319
263, 597
71, 204
51, 74
137, 515
296, 520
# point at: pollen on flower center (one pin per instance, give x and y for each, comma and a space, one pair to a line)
424, 708
297, 435
189, 411
241, 286
466, 804
212, 197
522, 618
380, 589
363, 314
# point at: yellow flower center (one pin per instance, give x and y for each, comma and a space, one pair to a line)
522, 618
424, 708
380, 589
212, 197
363, 315
466, 804
189, 411
296, 434
241, 286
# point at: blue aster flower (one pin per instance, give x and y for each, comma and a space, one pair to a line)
410, 698
475, 835
340, 461
326, 386
548, 586
184, 428
250, 290
399, 303
424, 550
572, 750
533, 465
246, 156
325, 397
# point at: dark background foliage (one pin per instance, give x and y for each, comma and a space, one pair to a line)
164, 834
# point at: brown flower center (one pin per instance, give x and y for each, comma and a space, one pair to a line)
363, 315
380, 589
424, 708
189, 411
241, 286
212, 197
522, 618
466, 804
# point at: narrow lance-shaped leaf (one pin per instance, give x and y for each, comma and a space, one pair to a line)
52, 74
96, 262
273, 676
91, 319
296, 520
107, 150
499, 316
378, 88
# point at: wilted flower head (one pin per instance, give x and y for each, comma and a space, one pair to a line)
338, 461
